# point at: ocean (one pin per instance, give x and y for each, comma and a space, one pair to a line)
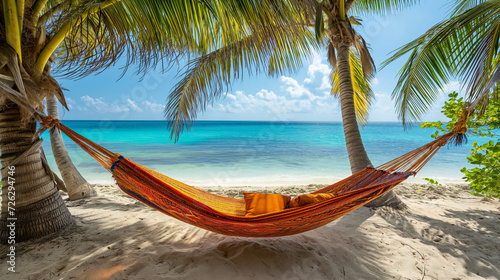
250, 153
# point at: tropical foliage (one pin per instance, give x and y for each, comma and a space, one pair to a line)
465, 46
77, 38
278, 48
484, 178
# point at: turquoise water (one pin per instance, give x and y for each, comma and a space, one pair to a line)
223, 153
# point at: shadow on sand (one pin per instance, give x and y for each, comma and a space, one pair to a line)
466, 239
153, 249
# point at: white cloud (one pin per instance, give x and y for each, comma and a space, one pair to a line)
266, 101
133, 106
93, 102
323, 69
317, 66
326, 82
116, 108
294, 98
452, 86
70, 102
153, 107
99, 105
296, 90
269, 95
230, 96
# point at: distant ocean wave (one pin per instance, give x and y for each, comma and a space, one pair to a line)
235, 153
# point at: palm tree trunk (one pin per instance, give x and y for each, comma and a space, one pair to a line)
355, 148
358, 158
39, 209
76, 185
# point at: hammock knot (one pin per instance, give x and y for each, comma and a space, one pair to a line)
460, 126
49, 122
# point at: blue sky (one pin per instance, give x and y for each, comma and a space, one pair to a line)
300, 96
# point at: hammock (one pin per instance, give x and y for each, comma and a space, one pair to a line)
227, 215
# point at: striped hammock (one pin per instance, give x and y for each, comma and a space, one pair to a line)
227, 215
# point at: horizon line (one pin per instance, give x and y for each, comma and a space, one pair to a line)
156, 120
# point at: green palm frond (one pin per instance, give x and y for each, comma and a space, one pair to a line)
148, 32
460, 6
363, 94
319, 26
465, 46
381, 6
273, 49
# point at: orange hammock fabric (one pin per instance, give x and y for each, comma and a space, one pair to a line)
227, 215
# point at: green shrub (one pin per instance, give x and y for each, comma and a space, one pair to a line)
484, 178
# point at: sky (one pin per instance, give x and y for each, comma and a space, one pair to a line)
300, 96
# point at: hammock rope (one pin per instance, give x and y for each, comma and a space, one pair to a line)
227, 215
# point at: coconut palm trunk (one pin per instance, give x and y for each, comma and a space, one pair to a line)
76, 185
39, 209
358, 158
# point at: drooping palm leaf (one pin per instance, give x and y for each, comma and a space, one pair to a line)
207, 76
272, 49
464, 46
149, 31
363, 94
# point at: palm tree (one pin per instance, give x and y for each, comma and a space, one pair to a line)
85, 36
282, 48
465, 46
76, 186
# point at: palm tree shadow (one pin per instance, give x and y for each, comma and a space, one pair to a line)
174, 250
108, 203
475, 238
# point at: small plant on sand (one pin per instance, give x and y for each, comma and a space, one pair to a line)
484, 178
432, 181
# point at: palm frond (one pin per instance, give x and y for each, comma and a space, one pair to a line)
146, 32
363, 94
332, 56
319, 26
273, 48
464, 46
461, 6
364, 54
149, 32
381, 7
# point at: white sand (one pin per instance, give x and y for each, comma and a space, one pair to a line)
446, 231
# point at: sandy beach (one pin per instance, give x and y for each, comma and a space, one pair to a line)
445, 233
